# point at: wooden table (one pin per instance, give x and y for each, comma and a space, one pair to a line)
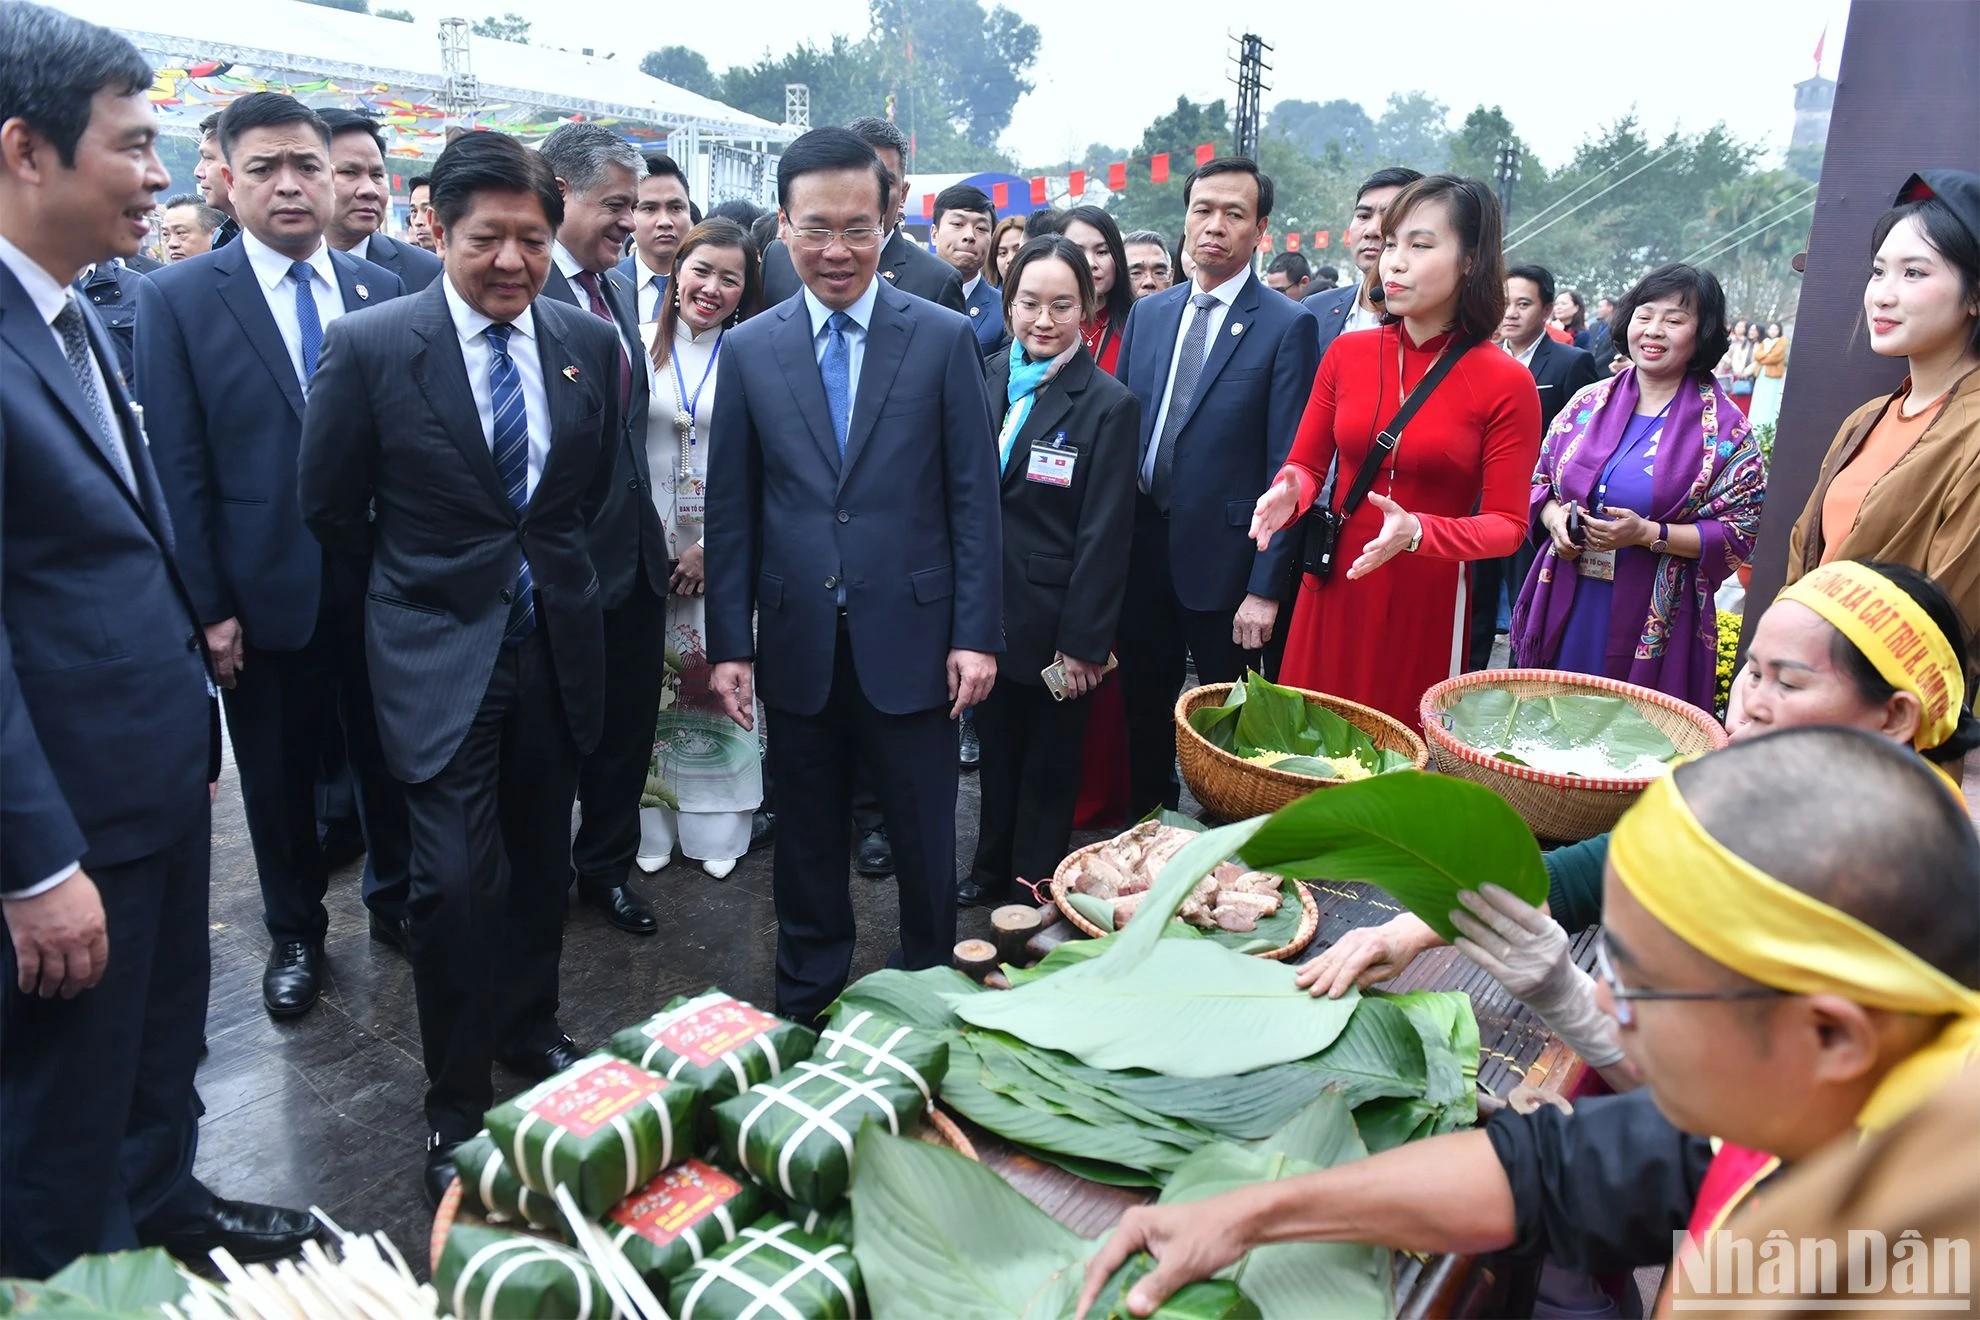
1514, 1048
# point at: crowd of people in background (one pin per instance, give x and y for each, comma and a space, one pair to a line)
761, 526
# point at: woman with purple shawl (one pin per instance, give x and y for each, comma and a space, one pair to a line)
1649, 489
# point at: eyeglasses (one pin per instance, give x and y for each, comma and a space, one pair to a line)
1606, 971
817, 240
1061, 311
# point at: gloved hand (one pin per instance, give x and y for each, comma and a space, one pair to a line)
1526, 951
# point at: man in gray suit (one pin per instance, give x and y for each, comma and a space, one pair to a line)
853, 517
461, 443
357, 226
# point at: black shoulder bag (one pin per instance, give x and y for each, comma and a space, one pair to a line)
1321, 528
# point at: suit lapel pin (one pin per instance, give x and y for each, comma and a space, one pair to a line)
571, 374
976, 311
887, 275
1237, 329
363, 293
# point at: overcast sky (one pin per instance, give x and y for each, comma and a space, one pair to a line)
1106, 68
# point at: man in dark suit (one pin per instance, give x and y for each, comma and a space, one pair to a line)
363, 201
461, 441
111, 287
1348, 308
227, 347
212, 184
1223, 367
598, 173
1560, 371
107, 738
963, 217
903, 263
660, 221
853, 516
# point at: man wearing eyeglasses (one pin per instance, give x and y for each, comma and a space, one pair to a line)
1792, 953
853, 517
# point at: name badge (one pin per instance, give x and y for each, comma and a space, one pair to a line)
1597, 564
690, 500
1051, 465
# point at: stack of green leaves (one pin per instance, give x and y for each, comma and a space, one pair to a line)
1585, 735
876, 1046
492, 1189
795, 1135
772, 1269
715, 1043
1264, 722
682, 1215
939, 1235
602, 1127
487, 1272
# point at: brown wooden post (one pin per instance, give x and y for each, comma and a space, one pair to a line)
1906, 100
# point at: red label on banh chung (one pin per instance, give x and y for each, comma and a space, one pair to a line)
704, 1036
594, 1098
674, 1200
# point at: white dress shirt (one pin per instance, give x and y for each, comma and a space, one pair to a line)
651, 288
361, 250
1225, 294
271, 271
49, 295
1360, 316
861, 313
969, 286
479, 355
1523, 356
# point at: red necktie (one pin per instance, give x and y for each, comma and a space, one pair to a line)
588, 281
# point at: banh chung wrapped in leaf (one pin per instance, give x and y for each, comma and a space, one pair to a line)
874, 1046
715, 1042
492, 1188
684, 1214
772, 1269
489, 1272
795, 1135
602, 1127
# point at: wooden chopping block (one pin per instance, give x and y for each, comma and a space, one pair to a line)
1011, 929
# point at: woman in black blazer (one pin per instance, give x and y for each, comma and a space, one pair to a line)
1068, 435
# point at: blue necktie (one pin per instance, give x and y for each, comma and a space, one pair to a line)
836, 369
512, 466
306, 317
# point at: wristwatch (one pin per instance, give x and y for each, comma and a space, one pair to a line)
1416, 540
1662, 544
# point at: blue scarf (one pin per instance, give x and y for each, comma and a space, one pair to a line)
1027, 378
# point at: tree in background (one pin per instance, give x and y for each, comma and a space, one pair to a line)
1159, 206
348, 6
963, 64
509, 27
402, 15
1414, 130
684, 68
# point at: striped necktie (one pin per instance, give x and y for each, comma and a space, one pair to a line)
512, 466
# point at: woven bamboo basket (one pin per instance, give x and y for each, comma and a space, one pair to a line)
1561, 808
1309, 918
1236, 789
938, 1130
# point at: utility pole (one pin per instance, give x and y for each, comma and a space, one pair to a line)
1251, 85
461, 92
797, 105
1506, 175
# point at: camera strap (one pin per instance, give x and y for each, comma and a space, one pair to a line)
1390, 435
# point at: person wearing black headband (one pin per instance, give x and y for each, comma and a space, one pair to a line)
1901, 481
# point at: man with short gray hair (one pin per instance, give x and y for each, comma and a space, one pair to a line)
598, 173
187, 226
1148, 268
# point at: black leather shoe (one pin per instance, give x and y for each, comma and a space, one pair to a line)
394, 932
539, 1064
290, 982
623, 908
249, 1232
969, 750
762, 828
439, 1172
971, 894
875, 856
342, 845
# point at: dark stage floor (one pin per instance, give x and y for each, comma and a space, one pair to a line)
325, 1110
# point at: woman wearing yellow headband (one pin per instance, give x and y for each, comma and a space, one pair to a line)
1876, 647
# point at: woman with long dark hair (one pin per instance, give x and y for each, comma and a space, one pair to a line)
1393, 618
706, 777
1094, 232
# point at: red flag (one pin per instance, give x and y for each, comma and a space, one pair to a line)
1076, 184
1292, 242
1000, 195
1320, 239
928, 206
1158, 167
1820, 42
1204, 152
1117, 176
1038, 191
1265, 241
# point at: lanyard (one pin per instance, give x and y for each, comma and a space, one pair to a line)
684, 417
1650, 434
